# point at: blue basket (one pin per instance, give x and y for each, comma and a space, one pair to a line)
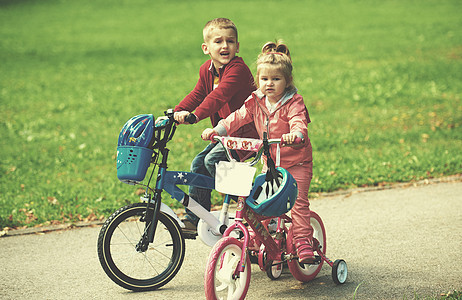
133, 163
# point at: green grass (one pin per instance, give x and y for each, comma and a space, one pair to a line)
381, 80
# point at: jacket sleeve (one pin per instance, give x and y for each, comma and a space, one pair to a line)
298, 117
195, 97
237, 119
232, 80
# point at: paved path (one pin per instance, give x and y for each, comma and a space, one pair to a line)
397, 243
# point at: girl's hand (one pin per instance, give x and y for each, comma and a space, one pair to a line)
207, 133
180, 115
289, 138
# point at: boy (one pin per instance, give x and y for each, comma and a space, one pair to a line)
225, 82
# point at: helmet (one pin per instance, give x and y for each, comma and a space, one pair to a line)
268, 199
138, 131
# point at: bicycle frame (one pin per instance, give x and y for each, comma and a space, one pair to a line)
168, 181
256, 222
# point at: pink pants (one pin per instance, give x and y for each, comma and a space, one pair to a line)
301, 210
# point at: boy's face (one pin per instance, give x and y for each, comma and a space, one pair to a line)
221, 44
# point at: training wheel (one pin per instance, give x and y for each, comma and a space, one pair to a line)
339, 271
274, 269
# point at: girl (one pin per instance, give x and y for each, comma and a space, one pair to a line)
277, 109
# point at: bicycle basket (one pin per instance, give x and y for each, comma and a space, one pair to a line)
273, 201
234, 178
133, 163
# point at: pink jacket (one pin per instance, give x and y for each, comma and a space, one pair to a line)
290, 115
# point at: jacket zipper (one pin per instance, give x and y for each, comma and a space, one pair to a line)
266, 123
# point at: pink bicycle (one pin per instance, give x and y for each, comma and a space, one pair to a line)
228, 269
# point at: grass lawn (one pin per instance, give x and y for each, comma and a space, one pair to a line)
381, 79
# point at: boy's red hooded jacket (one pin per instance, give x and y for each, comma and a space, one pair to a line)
236, 84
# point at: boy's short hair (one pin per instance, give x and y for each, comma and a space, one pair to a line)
222, 23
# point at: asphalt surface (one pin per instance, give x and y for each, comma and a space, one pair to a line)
399, 243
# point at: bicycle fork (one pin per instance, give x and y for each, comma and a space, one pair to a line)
150, 219
153, 207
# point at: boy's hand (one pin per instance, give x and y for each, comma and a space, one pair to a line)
180, 115
207, 133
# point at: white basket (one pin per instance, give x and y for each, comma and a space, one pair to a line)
234, 178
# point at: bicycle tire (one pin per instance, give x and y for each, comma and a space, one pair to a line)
140, 271
307, 272
222, 261
274, 269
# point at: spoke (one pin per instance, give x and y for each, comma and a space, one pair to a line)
221, 287
230, 265
230, 291
126, 237
233, 262
159, 256
121, 243
156, 249
149, 262
237, 283
225, 274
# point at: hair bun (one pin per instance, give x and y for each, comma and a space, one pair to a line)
269, 47
278, 47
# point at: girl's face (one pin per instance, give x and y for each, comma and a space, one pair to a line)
272, 83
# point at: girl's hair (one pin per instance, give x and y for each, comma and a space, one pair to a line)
276, 55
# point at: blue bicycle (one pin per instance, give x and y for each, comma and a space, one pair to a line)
141, 246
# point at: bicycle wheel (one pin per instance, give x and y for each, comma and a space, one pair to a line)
140, 270
274, 269
339, 271
307, 272
220, 282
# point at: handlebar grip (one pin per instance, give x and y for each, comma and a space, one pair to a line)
297, 141
212, 137
191, 119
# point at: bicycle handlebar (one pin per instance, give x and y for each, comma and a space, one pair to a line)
249, 144
191, 119
229, 143
298, 140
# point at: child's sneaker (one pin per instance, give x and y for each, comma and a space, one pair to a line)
304, 251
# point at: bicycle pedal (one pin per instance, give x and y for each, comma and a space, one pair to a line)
189, 235
317, 260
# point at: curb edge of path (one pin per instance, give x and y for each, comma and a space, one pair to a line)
346, 193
